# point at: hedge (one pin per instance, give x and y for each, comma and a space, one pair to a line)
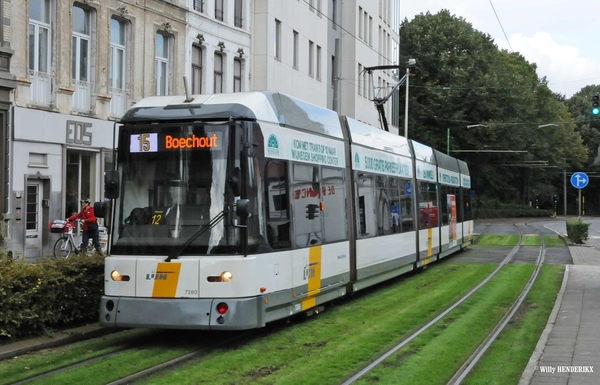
35, 298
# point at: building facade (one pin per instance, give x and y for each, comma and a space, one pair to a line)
78, 66
70, 69
317, 50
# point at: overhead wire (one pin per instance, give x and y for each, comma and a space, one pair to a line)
501, 27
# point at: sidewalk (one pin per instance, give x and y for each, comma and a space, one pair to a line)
568, 351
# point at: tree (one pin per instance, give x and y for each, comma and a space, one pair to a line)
464, 79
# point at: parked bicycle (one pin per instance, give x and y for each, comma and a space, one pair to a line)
66, 244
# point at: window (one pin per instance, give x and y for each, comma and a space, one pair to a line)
116, 70
199, 5
162, 64
318, 69
196, 69
335, 220
218, 73
360, 23
278, 218
311, 59
359, 77
219, 10
334, 14
333, 71
277, 40
81, 58
307, 205
238, 13
39, 51
39, 36
237, 75
428, 210
295, 50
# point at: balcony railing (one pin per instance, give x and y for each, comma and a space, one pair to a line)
118, 103
82, 97
40, 91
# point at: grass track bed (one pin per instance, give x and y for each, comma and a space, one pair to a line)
328, 348
434, 356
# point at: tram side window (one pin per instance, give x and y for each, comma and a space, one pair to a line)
448, 195
307, 205
467, 205
335, 221
428, 210
278, 218
365, 201
384, 206
405, 212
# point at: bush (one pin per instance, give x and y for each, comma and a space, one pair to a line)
50, 293
577, 231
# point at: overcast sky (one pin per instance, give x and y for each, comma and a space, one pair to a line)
561, 36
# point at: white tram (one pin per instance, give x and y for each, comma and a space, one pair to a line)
234, 210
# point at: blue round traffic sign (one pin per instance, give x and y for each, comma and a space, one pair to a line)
579, 179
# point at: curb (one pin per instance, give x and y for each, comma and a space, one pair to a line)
60, 338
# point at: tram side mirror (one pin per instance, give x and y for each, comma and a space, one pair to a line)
111, 184
235, 182
242, 207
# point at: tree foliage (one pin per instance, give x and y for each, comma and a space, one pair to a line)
461, 79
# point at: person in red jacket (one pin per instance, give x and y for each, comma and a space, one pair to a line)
90, 226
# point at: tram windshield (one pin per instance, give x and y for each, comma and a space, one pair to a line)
173, 183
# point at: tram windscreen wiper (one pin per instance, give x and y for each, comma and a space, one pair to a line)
213, 222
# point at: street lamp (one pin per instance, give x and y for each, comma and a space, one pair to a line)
548, 125
469, 126
410, 63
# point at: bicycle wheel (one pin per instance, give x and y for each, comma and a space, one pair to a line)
63, 248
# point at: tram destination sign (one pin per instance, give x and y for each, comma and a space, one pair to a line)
152, 142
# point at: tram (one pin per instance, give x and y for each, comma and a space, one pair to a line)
230, 211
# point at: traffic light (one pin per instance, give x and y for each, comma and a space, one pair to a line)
595, 104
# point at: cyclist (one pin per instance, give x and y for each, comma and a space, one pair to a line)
90, 226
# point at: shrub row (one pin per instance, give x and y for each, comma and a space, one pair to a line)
484, 208
35, 298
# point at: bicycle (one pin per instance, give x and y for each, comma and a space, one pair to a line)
66, 244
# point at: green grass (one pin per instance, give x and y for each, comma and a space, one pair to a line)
506, 359
497, 240
438, 353
553, 241
27, 365
531, 240
327, 348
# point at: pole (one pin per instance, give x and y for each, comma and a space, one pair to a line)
565, 192
406, 105
448, 150
579, 202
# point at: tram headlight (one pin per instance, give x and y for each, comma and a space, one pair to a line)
116, 276
225, 276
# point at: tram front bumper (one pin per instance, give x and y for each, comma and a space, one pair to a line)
182, 313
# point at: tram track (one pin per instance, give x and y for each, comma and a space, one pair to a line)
464, 370
158, 344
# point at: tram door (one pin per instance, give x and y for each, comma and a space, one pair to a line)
33, 219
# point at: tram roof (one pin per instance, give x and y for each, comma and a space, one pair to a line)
265, 106
373, 137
